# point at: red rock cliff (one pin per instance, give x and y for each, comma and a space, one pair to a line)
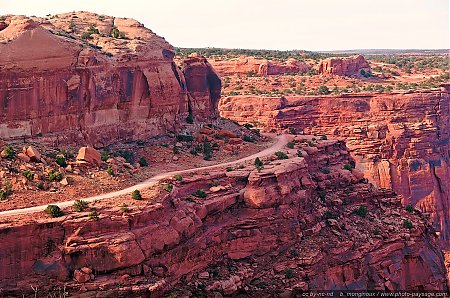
292, 226
349, 66
94, 79
399, 140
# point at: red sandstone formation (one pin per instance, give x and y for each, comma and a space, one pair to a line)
399, 140
62, 82
246, 65
289, 227
200, 76
349, 66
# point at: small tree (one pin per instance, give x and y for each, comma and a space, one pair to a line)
259, 164
281, 155
53, 211
324, 90
80, 205
361, 211
136, 195
290, 145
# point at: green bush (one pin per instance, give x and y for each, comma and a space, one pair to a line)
105, 155
80, 205
199, 194
292, 131
408, 224
311, 144
281, 155
348, 167
124, 208
409, 208
61, 161
178, 177
329, 215
110, 171
92, 30
53, 211
128, 155
229, 169
289, 273
167, 187
376, 232
323, 90
93, 215
248, 139
361, 211
190, 119
143, 162
290, 145
9, 152
115, 32
136, 195
258, 164
5, 192
54, 176
185, 138
28, 174
325, 170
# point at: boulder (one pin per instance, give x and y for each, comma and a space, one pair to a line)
89, 155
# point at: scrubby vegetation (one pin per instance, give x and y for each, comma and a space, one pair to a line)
136, 195
80, 205
53, 211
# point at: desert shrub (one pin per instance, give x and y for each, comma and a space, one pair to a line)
325, 170
299, 153
128, 155
178, 177
28, 174
9, 152
258, 164
294, 253
115, 32
281, 155
104, 155
361, 211
92, 30
248, 139
408, 224
5, 192
290, 145
229, 169
348, 167
323, 90
185, 138
124, 208
248, 125
409, 208
167, 187
292, 131
93, 215
53, 211
311, 144
143, 162
175, 150
289, 273
376, 232
189, 119
110, 171
54, 176
61, 161
80, 205
329, 215
199, 194
86, 36
136, 195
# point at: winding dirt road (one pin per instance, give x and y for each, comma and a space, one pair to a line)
278, 145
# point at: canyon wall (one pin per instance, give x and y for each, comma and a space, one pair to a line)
291, 226
62, 83
399, 140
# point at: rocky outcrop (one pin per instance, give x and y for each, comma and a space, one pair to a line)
250, 65
348, 66
296, 224
82, 77
203, 85
399, 140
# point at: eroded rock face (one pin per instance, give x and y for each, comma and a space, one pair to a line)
298, 232
348, 66
251, 65
399, 140
204, 86
71, 83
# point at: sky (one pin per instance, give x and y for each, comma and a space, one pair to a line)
273, 24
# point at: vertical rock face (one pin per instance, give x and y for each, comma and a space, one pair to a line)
69, 78
246, 65
400, 140
290, 225
349, 66
204, 86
